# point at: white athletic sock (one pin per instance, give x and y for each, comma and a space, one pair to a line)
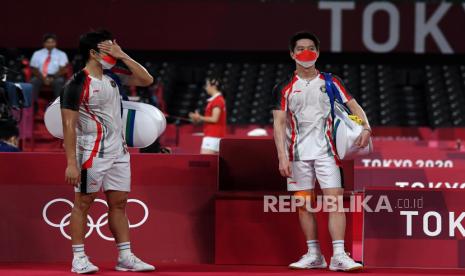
124, 249
78, 250
314, 247
338, 247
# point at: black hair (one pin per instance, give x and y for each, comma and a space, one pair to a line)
303, 35
215, 81
48, 36
8, 129
89, 41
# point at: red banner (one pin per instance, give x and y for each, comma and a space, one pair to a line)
343, 26
414, 228
246, 234
171, 214
418, 178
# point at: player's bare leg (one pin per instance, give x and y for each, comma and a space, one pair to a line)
337, 228
313, 258
119, 227
117, 219
78, 222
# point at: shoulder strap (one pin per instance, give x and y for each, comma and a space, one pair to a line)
333, 93
113, 76
329, 90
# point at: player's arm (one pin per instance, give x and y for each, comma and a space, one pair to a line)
72, 173
279, 128
70, 99
347, 99
139, 75
279, 131
357, 110
364, 138
214, 118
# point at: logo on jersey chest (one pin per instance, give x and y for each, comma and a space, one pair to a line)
113, 83
323, 88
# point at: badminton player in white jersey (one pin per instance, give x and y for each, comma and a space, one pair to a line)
97, 157
306, 150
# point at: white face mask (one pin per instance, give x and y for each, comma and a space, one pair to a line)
306, 58
307, 64
107, 62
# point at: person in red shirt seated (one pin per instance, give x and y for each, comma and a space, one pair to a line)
214, 119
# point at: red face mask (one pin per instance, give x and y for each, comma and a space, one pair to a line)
306, 58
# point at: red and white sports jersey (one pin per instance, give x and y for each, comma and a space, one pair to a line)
309, 125
215, 129
99, 129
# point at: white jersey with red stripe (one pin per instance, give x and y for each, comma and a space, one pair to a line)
308, 109
100, 127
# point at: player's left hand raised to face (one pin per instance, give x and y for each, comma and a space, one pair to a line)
111, 48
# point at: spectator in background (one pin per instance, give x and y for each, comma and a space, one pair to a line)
9, 136
214, 119
48, 67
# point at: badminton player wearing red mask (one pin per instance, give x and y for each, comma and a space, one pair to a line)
96, 153
306, 150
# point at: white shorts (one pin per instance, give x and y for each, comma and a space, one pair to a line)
107, 173
211, 143
304, 174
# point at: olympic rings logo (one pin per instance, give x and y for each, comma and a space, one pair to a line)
93, 225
